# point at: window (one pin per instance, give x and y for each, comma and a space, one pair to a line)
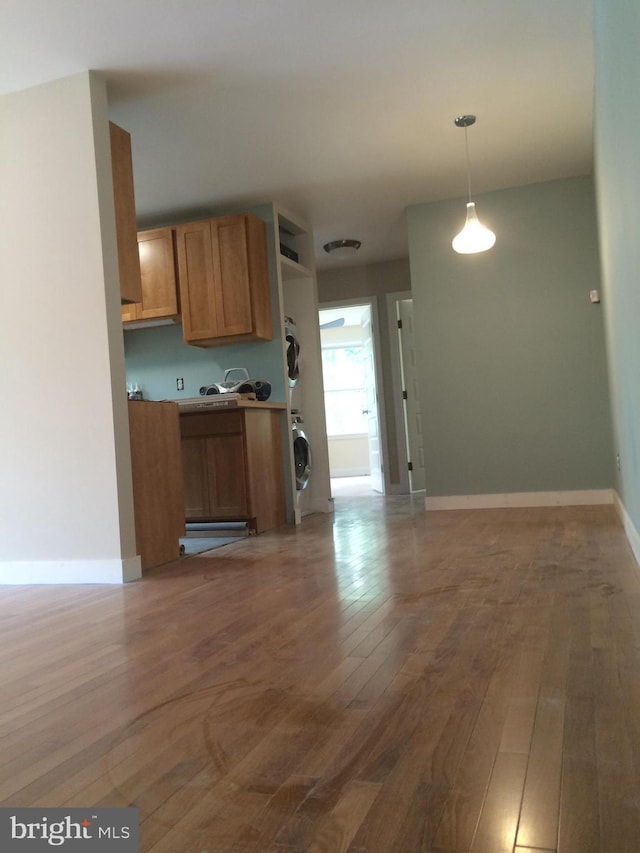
344, 390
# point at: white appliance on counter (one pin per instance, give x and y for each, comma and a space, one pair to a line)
259, 387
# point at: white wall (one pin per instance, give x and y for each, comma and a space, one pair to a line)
349, 455
66, 508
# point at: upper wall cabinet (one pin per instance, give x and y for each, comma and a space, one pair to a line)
156, 250
224, 280
125, 207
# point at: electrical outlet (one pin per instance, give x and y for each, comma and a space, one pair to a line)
180, 384
618, 461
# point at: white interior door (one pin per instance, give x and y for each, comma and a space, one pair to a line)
373, 421
411, 401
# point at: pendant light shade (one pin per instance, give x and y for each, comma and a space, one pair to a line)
474, 237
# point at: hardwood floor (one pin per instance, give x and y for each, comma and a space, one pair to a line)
383, 680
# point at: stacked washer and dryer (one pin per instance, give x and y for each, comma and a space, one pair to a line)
301, 447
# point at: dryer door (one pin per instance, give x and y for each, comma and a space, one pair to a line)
301, 456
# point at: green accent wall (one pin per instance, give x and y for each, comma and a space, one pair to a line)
156, 357
511, 350
617, 139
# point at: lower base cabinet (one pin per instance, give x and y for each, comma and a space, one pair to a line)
232, 466
156, 470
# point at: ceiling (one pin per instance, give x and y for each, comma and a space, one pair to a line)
341, 110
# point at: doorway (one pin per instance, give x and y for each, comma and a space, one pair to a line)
349, 368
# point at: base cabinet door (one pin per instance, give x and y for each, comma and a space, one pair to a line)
214, 465
157, 476
232, 465
225, 464
196, 483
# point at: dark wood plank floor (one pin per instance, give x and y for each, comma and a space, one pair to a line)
382, 680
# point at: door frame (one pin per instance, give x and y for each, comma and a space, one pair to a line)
372, 303
396, 384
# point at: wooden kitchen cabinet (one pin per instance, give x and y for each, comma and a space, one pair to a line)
213, 487
232, 466
224, 280
157, 259
156, 470
125, 210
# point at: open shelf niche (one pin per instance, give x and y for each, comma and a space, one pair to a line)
294, 295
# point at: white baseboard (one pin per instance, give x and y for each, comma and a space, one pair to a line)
399, 489
520, 499
630, 529
338, 473
395, 489
70, 571
320, 505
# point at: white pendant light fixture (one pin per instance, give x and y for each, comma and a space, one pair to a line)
474, 237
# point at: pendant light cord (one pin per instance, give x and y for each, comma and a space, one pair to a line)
466, 145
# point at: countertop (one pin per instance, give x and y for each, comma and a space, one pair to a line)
213, 403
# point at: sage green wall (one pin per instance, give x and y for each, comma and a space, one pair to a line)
156, 357
617, 135
511, 350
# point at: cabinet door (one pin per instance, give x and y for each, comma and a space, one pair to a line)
226, 469
130, 311
234, 315
259, 277
156, 471
196, 481
196, 278
214, 469
125, 209
157, 267
263, 441
224, 280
